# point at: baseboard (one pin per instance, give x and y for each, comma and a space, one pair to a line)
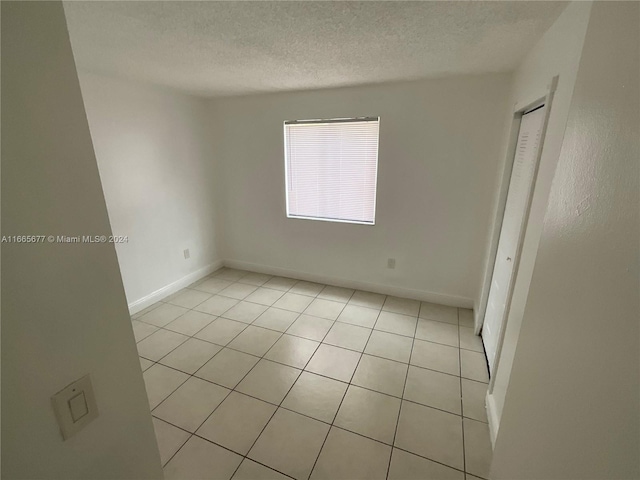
492, 416
173, 287
451, 300
477, 319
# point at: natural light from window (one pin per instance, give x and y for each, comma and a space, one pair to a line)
331, 169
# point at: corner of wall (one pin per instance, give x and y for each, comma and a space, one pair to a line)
557, 53
64, 310
173, 287
161, 205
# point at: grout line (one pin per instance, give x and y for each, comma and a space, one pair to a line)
281, 401
464, 452
179, 448
329, 378
406, 376
144, 311
321, 342
285, 364
197, 332
341, 400
168, 353
175, 426
234, 389
218, 445
303, 313
307, 416
217, 406
312, 418
172, 391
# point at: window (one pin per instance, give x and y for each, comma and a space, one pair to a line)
331, 167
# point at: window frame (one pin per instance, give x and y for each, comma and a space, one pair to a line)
286, 168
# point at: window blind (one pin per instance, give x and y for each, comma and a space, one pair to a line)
331, 169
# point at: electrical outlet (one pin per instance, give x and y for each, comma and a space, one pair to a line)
391, 263
187, 255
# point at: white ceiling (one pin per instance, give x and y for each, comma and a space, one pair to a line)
230, 48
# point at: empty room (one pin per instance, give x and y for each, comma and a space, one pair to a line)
340, 240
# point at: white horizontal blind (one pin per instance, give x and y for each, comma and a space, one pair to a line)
331, 169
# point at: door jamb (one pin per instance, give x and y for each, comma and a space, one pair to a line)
520, 110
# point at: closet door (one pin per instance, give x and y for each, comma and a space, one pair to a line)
513, 223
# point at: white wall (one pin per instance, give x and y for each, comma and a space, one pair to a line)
64, 312
439, 150
557, 53
572, 406
154, 154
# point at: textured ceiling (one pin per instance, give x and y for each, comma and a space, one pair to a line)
230, 48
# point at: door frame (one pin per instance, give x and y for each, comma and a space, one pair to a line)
519, 111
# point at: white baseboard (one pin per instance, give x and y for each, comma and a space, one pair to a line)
173, 287
451, 300
443, 299
477, 319
492, 416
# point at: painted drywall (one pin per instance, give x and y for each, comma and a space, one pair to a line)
64, 313
154, 155
439, 150
557, 53
571, 409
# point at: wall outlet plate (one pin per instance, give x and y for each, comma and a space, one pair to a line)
187, 255
75, 406
391, 263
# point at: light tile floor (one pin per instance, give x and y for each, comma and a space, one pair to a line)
255, 377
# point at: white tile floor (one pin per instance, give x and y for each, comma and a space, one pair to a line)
257, 377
